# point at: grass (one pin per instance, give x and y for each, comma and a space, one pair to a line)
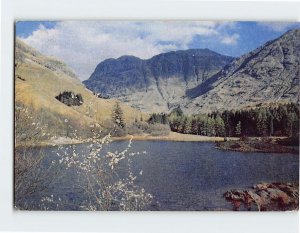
43, 82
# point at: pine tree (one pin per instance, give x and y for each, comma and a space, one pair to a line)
185, 126
292, 124
210, 127
194, 126
219, 126
271, 125
262, 122
203, 126
238, 129
164, 119
199, 126
227, 124
117, 115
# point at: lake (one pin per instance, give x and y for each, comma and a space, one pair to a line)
186, 175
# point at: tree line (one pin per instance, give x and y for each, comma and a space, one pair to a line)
280, 120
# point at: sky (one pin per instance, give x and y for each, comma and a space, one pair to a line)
84, 44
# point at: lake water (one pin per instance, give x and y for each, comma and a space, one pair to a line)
190, 175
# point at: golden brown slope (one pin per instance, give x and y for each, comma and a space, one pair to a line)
38, 79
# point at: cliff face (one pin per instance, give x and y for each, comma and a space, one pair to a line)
268, 74
159, 83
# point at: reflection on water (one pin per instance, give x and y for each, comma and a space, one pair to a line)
185, 175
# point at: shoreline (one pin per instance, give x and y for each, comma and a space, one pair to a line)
57, 142
256, 145
173, 136
234, 144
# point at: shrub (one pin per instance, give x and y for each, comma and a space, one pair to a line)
158, 130
105, 188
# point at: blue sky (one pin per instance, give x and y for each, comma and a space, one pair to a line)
83, 44
26, 28
251, 36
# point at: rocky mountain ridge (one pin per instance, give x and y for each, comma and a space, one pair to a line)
203, 81
267, 74
157, 84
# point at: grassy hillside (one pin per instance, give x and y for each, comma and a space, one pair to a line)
38, 79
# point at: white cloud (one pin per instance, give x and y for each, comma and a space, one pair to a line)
277, 26
230, 40
83, 44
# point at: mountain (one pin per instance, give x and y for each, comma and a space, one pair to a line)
25, 54
200, 80
157, 84
268, 74
40, 79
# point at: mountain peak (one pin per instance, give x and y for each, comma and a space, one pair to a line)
269, 73
202, 80
128, 57
157, 83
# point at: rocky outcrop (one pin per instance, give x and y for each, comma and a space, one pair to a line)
270, 73
159, 83
69, 98
265, 197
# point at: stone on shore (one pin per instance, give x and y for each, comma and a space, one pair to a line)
265, 197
